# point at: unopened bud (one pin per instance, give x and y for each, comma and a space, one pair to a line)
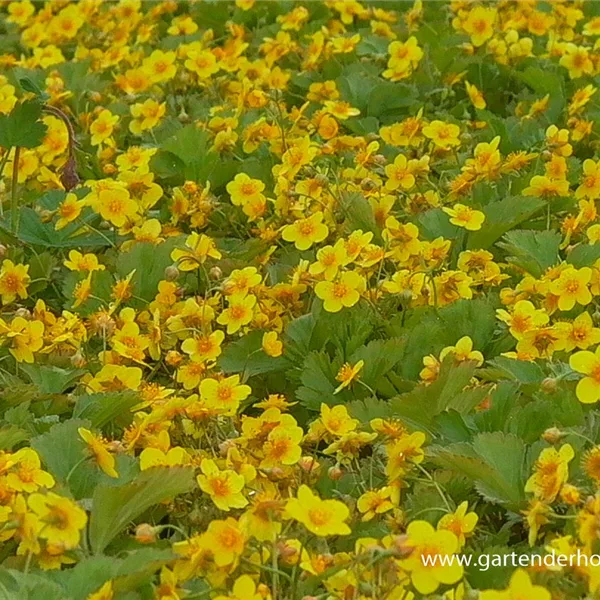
173, 358
402, 547
596, 317
321, 179
215, 273
171, 273
405, 297
145, 533
225, 446
24, 313
553, 435
3, 250
549, 385
335, 473
78, 360
379, 159
309, 464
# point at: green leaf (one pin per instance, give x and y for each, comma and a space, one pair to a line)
318, 377
502, 216
493, 461
520, 371
50, 379
11, 435
533, 251
149, 262
22, 127
63, 452
32, 230
103, 408
128, 571
246, 356
113, 508
359, 214
584, 255
419, 406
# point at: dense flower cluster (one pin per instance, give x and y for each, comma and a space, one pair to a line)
294, 295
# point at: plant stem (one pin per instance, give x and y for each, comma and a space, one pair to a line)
13, 191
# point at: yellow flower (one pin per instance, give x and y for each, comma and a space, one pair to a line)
480, 24
102, 127
203, 64
550, 472
443, 135
347, 374
223, 487
105, 592
520, 587
146, 116
239, 312
522, 318
399, 174
577, 60
26, 337
336, 420
160, 66
463, 350
543, 186
155, 457
306, 232
329, 260
82, 262
244, 588
344, 292
198, 247
271, 344
579, 333
460, 523
427, 544
572, 287
465, 216
205, 347
224, 395
590, 186
475, 95
375, 502
588, 363
68, 210
116, 378
282, 446
27, 474
226, 540
14, 280
243, 189
116, 206
321, 517
97, 446
404, 452
61, 519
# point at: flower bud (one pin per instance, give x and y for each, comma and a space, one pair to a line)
78, 360
171, 273
146, 533
335, 473
173, 358
309, 464
401, 546
3, 250
549, 385
553, 435
215, 273
24, 313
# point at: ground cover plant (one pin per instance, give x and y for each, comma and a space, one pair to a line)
294, 295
